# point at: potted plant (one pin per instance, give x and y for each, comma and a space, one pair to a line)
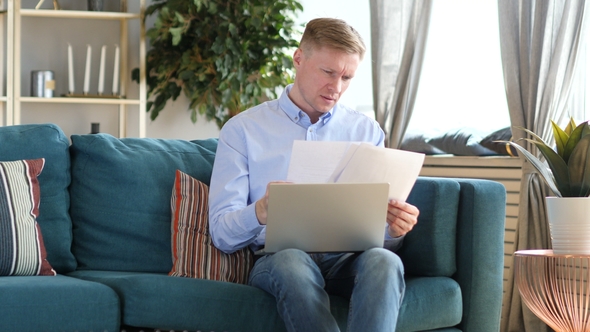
225, 56
567, 173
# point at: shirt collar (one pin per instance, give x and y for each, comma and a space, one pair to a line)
294, 112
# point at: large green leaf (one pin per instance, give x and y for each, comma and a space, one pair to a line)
539, 166
561, 138
573, 140
535, 136
579, 168
570, 126
558, 167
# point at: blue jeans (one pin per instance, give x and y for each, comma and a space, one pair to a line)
300, 282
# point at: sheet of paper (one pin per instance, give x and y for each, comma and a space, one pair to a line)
374, 164
315, 161
343, 162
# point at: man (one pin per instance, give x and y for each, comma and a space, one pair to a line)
254, 149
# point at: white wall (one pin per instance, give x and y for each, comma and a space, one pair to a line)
44, 46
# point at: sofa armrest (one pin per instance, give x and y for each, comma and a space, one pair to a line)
480, 253
460, 234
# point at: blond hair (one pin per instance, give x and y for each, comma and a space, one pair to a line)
333, 33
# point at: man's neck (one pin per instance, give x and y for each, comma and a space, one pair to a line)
313, 115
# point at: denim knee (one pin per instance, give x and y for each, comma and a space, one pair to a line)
378, 292
296, 282
381, 261
289, 258
287, 267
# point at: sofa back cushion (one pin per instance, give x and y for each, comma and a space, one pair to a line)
46, 141
430, 248
121, 198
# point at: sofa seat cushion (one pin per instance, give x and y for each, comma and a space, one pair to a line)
160, 301
49, 142
120, 192
430, 303
58, 303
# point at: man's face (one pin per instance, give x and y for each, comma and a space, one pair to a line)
322, 77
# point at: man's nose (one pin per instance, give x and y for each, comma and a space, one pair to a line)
336, 85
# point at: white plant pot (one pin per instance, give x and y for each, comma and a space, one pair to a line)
569, 224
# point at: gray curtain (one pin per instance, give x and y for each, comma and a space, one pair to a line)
398, 37
540, 43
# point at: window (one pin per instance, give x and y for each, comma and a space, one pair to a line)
462, 83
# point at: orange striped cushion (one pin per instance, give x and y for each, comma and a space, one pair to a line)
193, 252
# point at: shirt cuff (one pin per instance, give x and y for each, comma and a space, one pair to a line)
251, 222
392, 243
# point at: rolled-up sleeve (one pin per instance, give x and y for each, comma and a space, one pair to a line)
232, 217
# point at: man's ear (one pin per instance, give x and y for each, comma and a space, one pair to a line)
297, 58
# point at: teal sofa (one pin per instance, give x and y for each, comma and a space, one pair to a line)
105, 219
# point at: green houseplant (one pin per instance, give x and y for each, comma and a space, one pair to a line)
568, 174
226, 56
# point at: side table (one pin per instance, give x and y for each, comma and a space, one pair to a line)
556, 288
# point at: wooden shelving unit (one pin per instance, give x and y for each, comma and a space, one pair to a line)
14, 97
3, 98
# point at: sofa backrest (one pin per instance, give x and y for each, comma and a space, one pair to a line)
46, 141
120, 198
120, 205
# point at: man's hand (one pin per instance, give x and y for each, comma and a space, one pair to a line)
262, 205
401, 218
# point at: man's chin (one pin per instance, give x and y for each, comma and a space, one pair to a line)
326, 106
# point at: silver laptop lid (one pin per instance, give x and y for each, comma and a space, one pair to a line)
326, 217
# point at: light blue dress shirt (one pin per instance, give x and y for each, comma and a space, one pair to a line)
255, 148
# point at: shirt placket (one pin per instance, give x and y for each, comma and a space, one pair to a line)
312, 132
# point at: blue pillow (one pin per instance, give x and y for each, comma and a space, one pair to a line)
121, 191
418, 143
493, 141
461, 142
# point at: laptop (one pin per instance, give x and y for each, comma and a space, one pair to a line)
326, 217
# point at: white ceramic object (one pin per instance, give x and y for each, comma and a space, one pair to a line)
569, 224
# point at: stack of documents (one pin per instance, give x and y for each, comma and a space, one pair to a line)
354, 162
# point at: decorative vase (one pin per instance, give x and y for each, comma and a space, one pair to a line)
569, 224
42, 83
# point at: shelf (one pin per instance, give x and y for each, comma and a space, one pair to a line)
68, 100
78, 14
15, 36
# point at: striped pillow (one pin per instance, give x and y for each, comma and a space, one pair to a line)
22, 252
193, 252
